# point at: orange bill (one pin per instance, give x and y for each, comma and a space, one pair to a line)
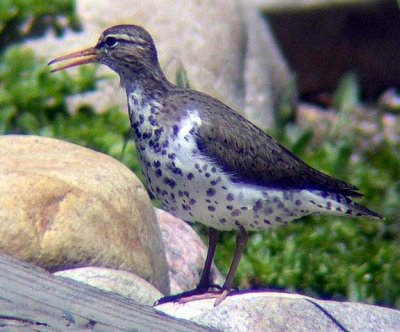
80, 58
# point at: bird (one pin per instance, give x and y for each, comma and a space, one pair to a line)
207, 163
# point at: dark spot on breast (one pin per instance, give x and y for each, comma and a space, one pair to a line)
257, 205
235, 213
230, 197
211, 208
158, 172
210, 192
171, 183
157, 132
146, 135
190, 176
175, 130
216, 181
152, 120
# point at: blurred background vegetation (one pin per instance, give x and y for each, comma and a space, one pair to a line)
327, 257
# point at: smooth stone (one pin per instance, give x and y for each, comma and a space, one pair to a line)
124, 283
186, 253
267, 311
64, 206
303, 5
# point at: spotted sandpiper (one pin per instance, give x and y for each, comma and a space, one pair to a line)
204, 161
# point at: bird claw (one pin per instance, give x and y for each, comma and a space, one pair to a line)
196, 295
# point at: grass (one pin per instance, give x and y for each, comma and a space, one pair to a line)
328, 257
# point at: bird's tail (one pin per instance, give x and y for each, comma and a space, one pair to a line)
339, 204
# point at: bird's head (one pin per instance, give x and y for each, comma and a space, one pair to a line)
126, 49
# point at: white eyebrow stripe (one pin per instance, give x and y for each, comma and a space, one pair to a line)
125, 37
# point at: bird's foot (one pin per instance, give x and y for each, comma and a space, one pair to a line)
198, 294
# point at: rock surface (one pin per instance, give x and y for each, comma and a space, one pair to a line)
290, 5
124, 283
220, 45
264, 311
64, 206
186, 253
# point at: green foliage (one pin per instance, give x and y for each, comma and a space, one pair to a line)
22, 18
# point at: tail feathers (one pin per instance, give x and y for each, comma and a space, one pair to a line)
334, 203
361, 211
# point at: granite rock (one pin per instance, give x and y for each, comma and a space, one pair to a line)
267, 311
63, 206
124, 283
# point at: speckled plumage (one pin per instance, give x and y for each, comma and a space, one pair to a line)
196, 177
204, 161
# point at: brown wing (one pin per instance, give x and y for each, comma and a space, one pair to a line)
252, 156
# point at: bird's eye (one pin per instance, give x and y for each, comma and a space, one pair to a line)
111, 41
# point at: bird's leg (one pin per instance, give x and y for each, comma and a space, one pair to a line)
241, 242
204, 283
200, 292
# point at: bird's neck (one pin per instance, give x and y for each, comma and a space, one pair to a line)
146, 85
146, 92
